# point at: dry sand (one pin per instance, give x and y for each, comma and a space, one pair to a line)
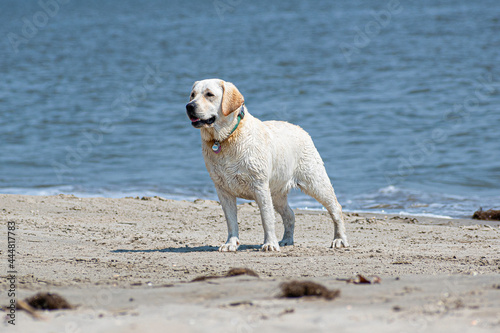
127, 263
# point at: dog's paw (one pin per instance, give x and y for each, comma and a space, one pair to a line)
270, 246
231, 245
285, 242
339, 243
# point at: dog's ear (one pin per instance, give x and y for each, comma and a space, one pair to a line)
192, 88
232, 99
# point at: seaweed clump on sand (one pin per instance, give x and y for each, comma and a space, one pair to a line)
48, 301
231, 272
42, 301
487, 215
295, 289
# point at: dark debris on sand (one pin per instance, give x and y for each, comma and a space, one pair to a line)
42, 301
231, 272
295, 289
241, 271
48, 301
360, 279
487, 215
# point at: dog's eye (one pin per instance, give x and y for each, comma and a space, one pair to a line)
209, 94
192, 95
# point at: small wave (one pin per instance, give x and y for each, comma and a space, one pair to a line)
103, 192
425, 214
389, 189
401, 213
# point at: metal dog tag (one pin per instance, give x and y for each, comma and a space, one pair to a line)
216, 147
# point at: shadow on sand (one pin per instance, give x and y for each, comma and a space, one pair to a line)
187, 249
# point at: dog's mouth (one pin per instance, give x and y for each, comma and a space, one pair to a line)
197, 122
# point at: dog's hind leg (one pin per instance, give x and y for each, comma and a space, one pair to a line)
280, 203
317, 185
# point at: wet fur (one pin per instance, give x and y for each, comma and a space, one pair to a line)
260, 161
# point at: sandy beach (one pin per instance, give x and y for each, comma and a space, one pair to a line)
127, 265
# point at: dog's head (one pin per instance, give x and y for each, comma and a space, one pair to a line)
211, 101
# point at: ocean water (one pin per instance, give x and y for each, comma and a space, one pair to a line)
402, 98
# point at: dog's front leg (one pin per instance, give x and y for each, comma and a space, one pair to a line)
265, 202
228, 203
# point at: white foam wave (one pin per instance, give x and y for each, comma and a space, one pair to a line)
403, 213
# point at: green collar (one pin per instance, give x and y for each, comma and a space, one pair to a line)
241, 115
216, 148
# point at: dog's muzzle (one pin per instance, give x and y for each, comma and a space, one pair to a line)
195, 121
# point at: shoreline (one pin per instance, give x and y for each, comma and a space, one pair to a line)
297, 200
441, 272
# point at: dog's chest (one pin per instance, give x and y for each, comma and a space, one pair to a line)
232, 170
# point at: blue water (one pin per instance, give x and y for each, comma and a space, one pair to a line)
403, 104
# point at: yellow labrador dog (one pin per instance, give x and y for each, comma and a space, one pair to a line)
260, 161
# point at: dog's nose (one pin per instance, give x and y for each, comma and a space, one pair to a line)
190, 107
